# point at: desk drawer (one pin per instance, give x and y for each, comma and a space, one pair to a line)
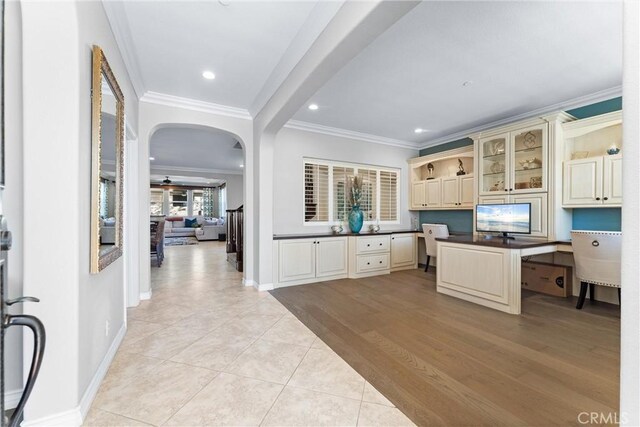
368, 244
367, 263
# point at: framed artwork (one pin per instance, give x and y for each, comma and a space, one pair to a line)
1, 93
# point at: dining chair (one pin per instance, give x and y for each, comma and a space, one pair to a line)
597, 259
431, 232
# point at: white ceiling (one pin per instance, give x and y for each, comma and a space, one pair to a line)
184, 148
520, 56
173, 42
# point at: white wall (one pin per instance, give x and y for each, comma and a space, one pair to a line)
12, 197
153, 116
57, 38
292, 145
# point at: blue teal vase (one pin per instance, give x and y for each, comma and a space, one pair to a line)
356, 219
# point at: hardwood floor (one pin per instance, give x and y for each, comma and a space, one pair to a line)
444, 361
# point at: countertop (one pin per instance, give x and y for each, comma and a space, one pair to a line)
343, 234
499, 242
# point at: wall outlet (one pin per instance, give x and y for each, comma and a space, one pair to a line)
106, 328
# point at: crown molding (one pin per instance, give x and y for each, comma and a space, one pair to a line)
195, 105
592, 98
116, 15
344, 133
157, 168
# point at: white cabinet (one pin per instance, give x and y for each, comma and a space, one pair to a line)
514, 162
592, 182
457, 191
435, 184
404, 251
539, 209
311, 260
369, 255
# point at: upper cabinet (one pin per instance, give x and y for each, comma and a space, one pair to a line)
514, 162
592, 167
443, 180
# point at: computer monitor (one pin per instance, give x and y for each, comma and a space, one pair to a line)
512, 218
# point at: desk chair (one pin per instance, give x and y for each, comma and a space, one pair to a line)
597, 258
157, 242
431, 232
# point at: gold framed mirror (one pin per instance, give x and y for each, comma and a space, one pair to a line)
107, 156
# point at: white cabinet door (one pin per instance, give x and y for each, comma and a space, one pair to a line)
582, 181
496, 200
297, 259
450, 195
433, 193
331, 257
466, 191
403, 250
539, 211
612, 180
418, 191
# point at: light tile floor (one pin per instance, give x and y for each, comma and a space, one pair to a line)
207, 351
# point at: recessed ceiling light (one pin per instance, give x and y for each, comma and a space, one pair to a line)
313, 107
152, 158
467, 83
419, 130
208, 75
224, 2
241, 166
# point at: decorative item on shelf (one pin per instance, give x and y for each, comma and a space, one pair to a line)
534, 163
337, 229
535, 182
497, 147
522, 185
497, 186
613, 150
497, 167
374, 228
460, 168
529, 140
356, 217
579, 155
430, 168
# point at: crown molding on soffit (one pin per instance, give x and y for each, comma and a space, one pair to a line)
115, 15
195, 105
159, 169
593, 98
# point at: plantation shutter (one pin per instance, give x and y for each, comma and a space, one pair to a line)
388, 196
316, 192
341, 202
369, 184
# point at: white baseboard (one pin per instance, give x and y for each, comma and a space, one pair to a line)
12, 398
75, 416
145, 295
263, 286
248, 282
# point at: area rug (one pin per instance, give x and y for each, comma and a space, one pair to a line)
180, 241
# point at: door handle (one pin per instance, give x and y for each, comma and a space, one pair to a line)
6, 240
21, 300
39, 339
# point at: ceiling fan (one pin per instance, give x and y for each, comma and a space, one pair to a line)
166, 181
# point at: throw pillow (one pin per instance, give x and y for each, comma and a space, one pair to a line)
190, 222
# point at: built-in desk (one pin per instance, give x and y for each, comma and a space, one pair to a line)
487, 271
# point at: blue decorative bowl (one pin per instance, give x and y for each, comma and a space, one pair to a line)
613, 150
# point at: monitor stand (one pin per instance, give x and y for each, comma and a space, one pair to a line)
506, 236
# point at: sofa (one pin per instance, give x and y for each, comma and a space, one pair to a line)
206, 229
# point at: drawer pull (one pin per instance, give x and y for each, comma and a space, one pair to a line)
368, 245
380, 262
368, 263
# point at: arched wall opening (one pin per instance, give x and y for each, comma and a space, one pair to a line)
155, 118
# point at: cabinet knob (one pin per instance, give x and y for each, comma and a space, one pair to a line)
368, 263
511, 189
606, 198
380, 262
506, 189
368, 245
380, 244
597, 198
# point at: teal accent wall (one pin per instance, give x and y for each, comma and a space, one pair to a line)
446, 146
605, 219
602, 219
457, 221
596, 109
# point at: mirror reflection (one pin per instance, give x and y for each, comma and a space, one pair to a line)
108, 156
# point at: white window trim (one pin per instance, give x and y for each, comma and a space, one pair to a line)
355, 166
